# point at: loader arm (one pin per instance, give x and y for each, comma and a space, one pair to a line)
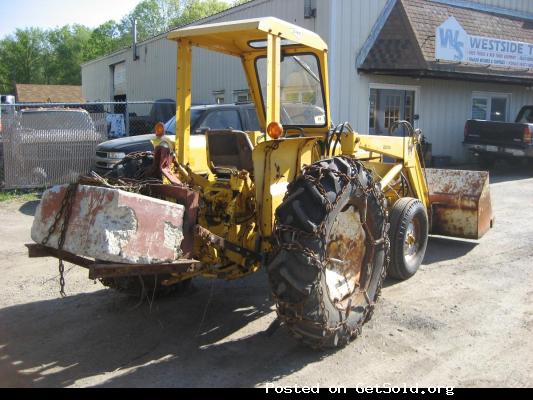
457, 202
404, 150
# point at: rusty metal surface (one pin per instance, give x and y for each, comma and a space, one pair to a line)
113, 225
460, 202
345, 253
38, 251
97, 271
161, 166
190, 200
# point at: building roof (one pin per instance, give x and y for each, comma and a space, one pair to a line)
406, 42
29, 93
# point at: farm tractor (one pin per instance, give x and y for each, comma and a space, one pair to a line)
328, 212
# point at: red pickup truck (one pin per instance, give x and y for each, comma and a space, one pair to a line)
490, 141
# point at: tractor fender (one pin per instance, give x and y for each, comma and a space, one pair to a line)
276, 164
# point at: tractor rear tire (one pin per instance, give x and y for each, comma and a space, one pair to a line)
333, 214
149, 285
409, 237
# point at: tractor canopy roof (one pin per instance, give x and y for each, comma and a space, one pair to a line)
247, 36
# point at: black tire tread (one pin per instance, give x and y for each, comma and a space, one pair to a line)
297, 282
398, 226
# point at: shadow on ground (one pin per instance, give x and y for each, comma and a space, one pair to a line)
441, 249
29, 207
179, 343
504, 172
444, 249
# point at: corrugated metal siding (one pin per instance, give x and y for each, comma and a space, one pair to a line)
100, 77
352, 22
153, 76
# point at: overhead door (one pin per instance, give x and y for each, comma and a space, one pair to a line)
119, 79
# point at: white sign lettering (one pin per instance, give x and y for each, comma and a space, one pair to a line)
452, 43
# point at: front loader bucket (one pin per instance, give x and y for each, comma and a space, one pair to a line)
459, 202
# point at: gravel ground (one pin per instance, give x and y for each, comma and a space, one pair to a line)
465, 319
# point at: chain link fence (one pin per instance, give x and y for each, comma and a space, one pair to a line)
46, 144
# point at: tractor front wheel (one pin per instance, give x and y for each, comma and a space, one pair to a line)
409, 237
331, 251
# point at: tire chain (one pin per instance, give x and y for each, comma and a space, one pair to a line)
64, 215
320, 234
66, 208
138, 155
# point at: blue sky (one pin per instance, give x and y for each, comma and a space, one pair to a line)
51, 13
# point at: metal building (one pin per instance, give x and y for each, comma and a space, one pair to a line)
383, 63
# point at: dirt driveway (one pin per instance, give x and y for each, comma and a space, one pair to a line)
466, 319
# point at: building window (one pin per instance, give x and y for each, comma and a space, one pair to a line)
388, 105
218, 96
241, 96
392, 109
490, 106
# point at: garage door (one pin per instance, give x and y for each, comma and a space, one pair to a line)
119, 79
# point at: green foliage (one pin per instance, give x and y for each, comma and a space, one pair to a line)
37, 56
104, 40
22, 57
19, 195
153, 17
197, 9
66, 53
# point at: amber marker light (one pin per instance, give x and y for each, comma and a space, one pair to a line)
159, 129
275, 130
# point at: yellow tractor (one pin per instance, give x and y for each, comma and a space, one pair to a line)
327, 211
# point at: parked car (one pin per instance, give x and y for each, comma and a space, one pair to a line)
162, 110
236, 116
490, 140
49, 146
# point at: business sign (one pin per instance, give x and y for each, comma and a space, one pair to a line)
452, 43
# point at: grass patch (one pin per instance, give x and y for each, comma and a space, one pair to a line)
19, 195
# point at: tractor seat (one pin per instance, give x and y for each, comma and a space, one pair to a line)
229, 149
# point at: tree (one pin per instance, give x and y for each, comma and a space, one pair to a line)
37, 56
103, 40
22, 58
198, 9
152, 16
66, 54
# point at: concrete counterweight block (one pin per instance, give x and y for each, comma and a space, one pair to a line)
113, 225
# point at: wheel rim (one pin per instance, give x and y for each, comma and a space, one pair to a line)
345, 254
411, 244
